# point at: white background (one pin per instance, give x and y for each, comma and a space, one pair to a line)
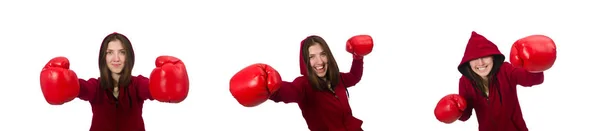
413, 64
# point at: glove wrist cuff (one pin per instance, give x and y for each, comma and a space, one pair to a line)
357, 57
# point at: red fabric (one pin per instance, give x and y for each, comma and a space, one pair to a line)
323, 110
122, 114
500, 111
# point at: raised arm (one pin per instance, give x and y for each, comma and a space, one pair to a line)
463, 91
359, 46
523, 77
291, 92
88, 89
351, 78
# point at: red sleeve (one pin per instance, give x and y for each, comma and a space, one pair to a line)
462, 91
142, 85
353, 77
290, 92
88, 88
523, 77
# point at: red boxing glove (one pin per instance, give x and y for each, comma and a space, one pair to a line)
359, 46
59, 83
450, 108
169, 80
254, 84
535, 53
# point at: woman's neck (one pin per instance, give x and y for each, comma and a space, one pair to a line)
116, 77
485, 80
324, 78
486, 84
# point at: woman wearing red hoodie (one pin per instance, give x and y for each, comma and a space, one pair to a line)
321, 91
488, 85
116, 97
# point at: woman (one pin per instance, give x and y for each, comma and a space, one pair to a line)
488, 85
117, 97
321, 90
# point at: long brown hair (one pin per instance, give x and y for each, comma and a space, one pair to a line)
478, 82
106, 80
333, 72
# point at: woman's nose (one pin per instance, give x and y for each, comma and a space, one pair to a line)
478, 61
116, 57
319, 60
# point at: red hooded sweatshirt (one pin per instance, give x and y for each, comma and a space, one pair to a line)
323, 110
501, 110
112, 114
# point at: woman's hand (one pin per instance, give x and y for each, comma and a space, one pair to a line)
535, 53
359, 46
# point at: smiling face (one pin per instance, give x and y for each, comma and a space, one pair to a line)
115, 56
482, 66
318, 59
